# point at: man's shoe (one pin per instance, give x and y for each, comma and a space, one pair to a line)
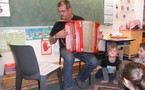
80, 84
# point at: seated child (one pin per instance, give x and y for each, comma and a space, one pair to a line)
133, 76
141, 54
110, 64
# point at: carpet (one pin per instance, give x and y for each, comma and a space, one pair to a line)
108, 86
95, 85
35, 86
53, 85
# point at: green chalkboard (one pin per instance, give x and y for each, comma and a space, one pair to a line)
44, 12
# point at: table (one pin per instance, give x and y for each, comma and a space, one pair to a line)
120, 43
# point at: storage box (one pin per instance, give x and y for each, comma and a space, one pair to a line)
9, 68
9, 81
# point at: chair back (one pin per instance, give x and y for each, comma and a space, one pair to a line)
26, 61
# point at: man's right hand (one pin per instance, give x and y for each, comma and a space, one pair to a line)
52, 40
61, 34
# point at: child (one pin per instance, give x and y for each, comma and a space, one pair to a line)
141, 54
110, 65
133, 76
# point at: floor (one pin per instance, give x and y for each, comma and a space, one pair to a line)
55, 86
95, 82
51, 87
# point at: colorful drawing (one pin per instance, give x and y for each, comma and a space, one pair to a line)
33, 33
11, 37
45, 32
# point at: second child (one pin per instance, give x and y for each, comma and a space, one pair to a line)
110, 65
141, 54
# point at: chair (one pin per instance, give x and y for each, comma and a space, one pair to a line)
76, 61
28, 68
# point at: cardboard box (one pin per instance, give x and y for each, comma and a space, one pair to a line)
9, 81
9, 68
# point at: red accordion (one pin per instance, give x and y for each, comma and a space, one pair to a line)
82, 36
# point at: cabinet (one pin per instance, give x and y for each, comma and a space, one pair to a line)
132, 50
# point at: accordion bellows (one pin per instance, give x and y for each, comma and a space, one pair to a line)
82, 36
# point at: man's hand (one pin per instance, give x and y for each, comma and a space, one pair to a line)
61, 34
52, 40
100, 35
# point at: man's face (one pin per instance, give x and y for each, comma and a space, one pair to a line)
64, 13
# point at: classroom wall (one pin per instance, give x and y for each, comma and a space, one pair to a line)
139, 9
135, 12
107, 30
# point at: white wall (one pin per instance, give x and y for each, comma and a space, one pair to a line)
138, 9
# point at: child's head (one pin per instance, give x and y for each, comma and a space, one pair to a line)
112, 50
133, 76
141, 51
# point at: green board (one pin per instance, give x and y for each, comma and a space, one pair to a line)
44, 12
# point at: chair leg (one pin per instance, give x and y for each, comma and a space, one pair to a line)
18, 81
59, 74
43, 82
38, 84
79, 66
90, 79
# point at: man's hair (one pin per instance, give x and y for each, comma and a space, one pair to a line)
142, 45
64, 2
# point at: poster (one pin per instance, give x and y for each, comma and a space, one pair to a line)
33, 33
11, 37
4, 8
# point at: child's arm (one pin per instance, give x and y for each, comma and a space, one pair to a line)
117, 75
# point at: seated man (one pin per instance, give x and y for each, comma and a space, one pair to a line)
58, 32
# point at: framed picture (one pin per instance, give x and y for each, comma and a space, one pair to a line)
46, 48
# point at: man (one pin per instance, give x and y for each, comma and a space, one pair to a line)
58, 32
